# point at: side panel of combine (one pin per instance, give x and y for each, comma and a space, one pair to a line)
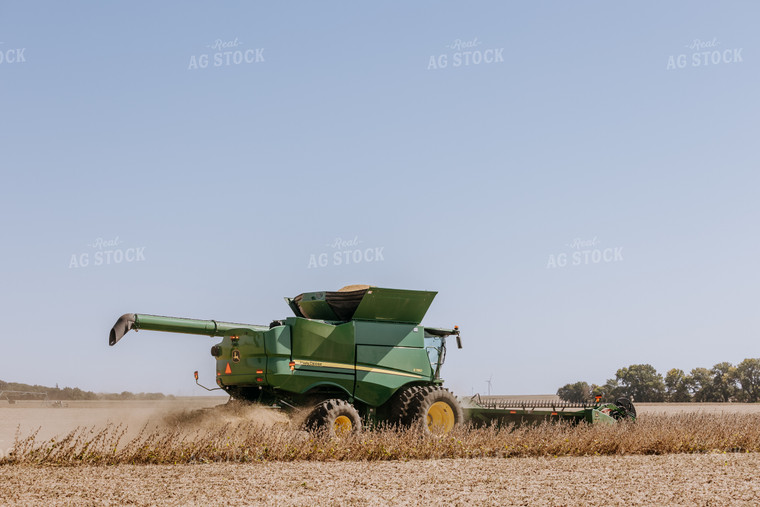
243, 354
322, 354
388, 356
278, 345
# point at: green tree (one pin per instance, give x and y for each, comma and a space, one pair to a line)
579, 392
725, 382
641, 382
748, 376
612, 390
701, 385
677, 385
609, 391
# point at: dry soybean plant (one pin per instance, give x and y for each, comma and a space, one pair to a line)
252, 441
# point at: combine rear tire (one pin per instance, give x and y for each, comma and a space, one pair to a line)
435, 410
338, 417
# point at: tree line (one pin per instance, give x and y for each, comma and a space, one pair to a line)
74, 393
723, 382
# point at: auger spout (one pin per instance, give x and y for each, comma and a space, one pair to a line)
139, 321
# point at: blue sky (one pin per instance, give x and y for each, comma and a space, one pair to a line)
471, 180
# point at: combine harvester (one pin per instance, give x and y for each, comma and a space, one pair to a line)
357, 354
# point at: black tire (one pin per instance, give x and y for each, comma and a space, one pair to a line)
626, 406
434, 409
399, 411
335, 416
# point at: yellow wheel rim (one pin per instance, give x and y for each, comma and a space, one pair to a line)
342, 425
440, 417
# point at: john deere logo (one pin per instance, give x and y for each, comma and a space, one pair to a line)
236, 356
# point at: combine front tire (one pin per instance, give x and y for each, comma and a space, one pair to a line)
434, 409
338, 417
400, 406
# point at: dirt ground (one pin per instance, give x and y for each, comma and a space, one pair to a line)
713, 479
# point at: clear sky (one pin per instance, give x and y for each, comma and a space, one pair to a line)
578, 180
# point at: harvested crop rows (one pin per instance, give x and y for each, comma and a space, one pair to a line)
680, 479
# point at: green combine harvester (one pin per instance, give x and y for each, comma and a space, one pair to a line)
357, 354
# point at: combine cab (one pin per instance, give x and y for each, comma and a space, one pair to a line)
357, 354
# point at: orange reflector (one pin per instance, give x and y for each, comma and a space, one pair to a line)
259, 371
218, 373
513, 411
554, 413
292, 365
228, 370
